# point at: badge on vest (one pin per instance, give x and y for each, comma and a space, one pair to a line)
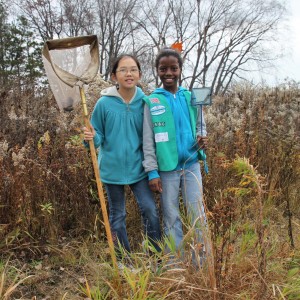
157, 110
159, 124
154, 100
161, 137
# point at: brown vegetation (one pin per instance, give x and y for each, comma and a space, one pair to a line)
51, 222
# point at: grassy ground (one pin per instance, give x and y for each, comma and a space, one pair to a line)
81, 270
52, 239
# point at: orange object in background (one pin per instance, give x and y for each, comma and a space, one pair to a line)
177, 46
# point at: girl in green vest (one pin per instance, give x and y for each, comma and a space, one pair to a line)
172, 137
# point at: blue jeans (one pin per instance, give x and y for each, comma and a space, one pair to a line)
117, 213
189, 180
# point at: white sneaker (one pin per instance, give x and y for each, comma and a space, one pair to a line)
120, 266
129, 267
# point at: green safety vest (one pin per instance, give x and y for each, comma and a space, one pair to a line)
164, 129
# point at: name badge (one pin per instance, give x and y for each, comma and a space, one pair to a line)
161, 137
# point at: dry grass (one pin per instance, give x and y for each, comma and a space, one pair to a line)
51, 223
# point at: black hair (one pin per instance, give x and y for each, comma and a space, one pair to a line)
168, 52
117, 61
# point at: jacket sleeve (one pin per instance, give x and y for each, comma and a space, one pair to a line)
150, 161
201, 125
97, 121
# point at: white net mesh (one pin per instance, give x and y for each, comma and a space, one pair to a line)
66, 97
70, 63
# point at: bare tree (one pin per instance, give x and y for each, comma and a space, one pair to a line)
152, 19
114, 29
78, 17
223, 39
45, 16
234, 36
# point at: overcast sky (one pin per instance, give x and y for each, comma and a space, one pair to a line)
289, 65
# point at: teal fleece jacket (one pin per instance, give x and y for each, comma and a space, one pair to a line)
119, 131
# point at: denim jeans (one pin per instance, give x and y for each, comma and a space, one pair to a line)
117, 213
189, 181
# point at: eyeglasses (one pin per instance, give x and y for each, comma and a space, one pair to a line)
124, 71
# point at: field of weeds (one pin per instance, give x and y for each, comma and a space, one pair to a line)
52, 238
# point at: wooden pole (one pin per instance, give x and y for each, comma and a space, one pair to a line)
98, 181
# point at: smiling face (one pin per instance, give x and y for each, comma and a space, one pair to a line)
127, 73
168, 70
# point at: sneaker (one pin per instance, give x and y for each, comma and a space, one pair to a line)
174, 264
121, 266
127, 267
155, 265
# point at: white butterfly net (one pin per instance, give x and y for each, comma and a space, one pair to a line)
69, 63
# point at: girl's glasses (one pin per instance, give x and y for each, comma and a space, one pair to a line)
124, 71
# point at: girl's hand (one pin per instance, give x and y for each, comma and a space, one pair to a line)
155, 185
202, 142
88, 133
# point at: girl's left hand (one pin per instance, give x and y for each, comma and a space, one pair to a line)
202, 142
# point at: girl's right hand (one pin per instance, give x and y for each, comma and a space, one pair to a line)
88, 133
155, 185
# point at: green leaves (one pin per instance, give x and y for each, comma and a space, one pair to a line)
20, 54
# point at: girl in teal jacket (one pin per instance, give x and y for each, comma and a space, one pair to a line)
117, 126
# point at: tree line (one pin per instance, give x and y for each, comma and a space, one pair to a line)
223, 40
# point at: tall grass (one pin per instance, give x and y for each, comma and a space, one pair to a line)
48, 199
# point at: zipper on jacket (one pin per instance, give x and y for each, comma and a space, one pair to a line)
126, 133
